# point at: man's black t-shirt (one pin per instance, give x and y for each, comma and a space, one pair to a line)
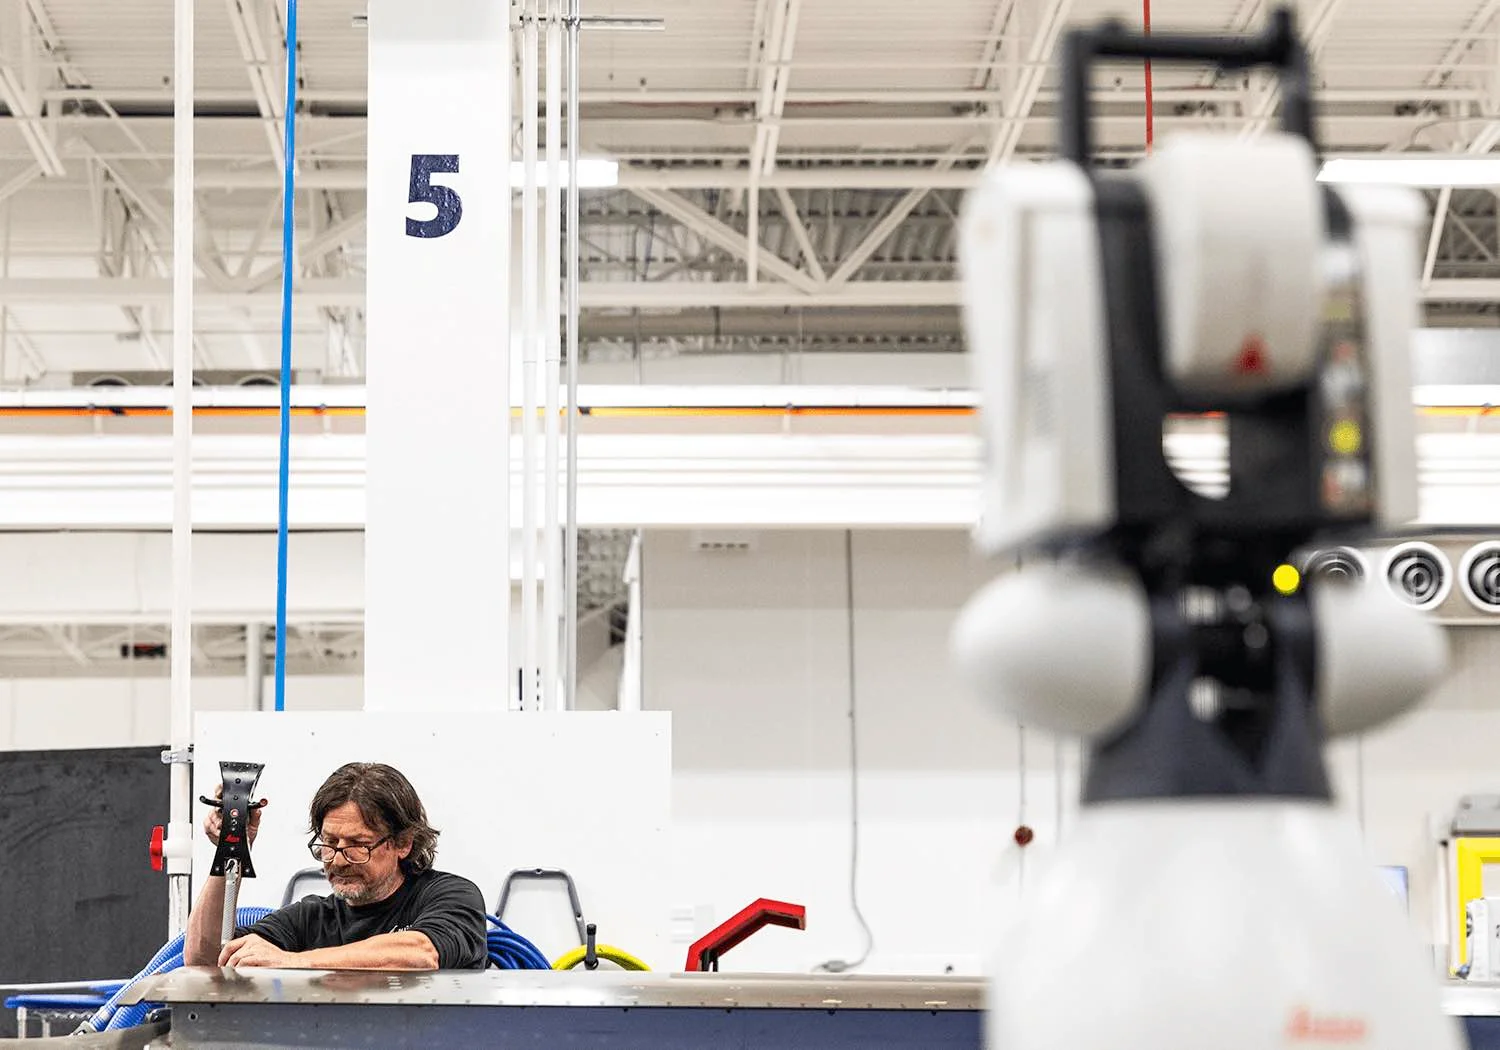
447, 908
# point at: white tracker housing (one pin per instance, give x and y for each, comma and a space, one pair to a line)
1035, 314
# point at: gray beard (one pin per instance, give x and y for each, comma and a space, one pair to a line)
368, 894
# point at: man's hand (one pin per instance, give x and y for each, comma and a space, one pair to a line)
254, 950
215, 820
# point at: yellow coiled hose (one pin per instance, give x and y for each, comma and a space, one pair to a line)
624, 960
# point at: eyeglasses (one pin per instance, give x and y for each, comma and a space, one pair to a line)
357, 854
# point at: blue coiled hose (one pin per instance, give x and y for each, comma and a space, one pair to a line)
508, 950
111, 1017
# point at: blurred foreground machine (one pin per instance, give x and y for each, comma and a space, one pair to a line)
1210, 893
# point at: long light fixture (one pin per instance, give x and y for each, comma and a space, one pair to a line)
1407, 169
593, 173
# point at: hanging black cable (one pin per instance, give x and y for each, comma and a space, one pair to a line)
841, 965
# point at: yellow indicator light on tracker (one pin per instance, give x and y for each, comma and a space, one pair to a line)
1345, 437
1286, 579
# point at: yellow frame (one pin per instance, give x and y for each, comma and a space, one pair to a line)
1470, 857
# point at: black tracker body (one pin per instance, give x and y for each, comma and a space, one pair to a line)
1267, 740
238, 800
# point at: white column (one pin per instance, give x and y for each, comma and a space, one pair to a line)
255, 666
178, 850
437, 537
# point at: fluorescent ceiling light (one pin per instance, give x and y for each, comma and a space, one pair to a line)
593, 173
1398, 169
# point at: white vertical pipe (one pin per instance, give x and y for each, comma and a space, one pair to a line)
5, 218
530, 333
255, 666
628, 696
752, 229
179, 829
552, 300
570, 613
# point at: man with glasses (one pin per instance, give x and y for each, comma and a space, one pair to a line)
389, 909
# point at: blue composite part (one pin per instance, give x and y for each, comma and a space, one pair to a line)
1483, 1032
562, 1028
288, 229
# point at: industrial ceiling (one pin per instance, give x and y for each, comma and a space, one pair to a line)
790, 170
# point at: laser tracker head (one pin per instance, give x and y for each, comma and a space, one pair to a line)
1130, 331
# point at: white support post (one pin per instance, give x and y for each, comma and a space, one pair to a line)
628, 695
1435, 238
530, 358
178, 847
438, 613
255, 666
570, 545
552, 574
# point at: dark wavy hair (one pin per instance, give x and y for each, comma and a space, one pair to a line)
388, 803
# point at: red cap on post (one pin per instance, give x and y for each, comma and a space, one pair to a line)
158, 840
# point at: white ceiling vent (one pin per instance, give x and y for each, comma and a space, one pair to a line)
715, 542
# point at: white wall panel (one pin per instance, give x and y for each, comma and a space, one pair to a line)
589, 793
761, 776
73, 713
102, 577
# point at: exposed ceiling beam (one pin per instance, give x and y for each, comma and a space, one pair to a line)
1435, 237
716, 232
1459, 49
1315, 34
799, 232
349, 292
984, 70
888, 224
246, 18
1019, 105
21, 90
63, 638
350, 228
774, 92
1483, 143
747, 96
19, 181
1462, 226
772, 70
141, 196
157, 291
848, 177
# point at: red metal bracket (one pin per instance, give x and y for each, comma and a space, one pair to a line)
710, 948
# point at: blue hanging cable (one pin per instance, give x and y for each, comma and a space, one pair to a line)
288, 228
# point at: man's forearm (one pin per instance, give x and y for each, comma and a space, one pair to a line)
205, 925
407, 950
